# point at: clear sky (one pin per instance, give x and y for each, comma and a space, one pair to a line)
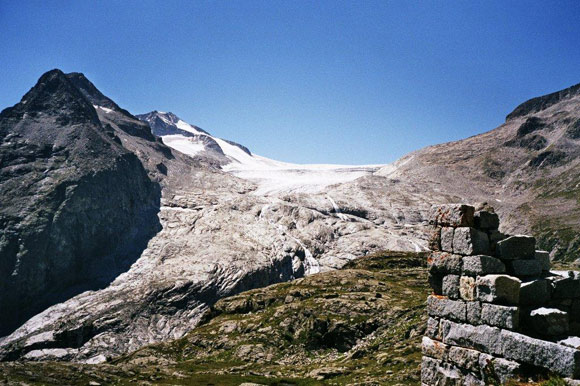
304, 81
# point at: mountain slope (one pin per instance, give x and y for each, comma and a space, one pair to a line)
60, 233
362, 324
529, 167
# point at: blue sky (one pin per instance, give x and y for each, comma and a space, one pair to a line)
304, 81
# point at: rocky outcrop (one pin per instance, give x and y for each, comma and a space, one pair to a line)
496, 316
77, 208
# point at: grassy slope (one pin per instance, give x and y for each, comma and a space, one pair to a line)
359, 325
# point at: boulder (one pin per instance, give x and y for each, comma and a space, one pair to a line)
482, 265
482, 338
442, 307
450, 286
447, 239
524, 268
467, 288
535, 292
470, 241
571, 341
444, 263
453, 215
562, 360
502, 289
549, 321
543, 258
486, 220
516, 247
464, 358
500, 316
434, 349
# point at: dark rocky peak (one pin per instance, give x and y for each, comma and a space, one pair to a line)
537, 104
53, 96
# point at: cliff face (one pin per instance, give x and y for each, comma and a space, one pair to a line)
77, 208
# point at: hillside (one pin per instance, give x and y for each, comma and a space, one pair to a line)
361, 324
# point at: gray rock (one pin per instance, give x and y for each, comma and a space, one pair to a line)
565, 288
549, 321
470, 241
571, 341
500, 316
435, 239
464, 358
444, 263
451, 286
434, 349
433, 331
482, 265
516, 247
502, 289
524, 268
562, 360
506, 370
441, 307
473, 312
467, 288
543, 258
437, 372
485, 220
447, 239
454, 215
535, 292
482, 338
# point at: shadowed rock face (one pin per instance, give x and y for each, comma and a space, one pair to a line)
76, 207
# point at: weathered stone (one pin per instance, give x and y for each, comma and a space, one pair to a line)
470, 241
543, 258
557, 358
451, 286
524, 268
482, 338
516, 247
467, 289
502, 289
435, 239
482, 265
473, 312
447, 239
445, 263
549, 321
434, 349
571, 341
454, 215
535, 292
485, 220
565, 288
500, 316
432, 331
506, 370
442, 307
465, 358
436, 283
436, 372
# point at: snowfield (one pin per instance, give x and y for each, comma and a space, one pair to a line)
271, 176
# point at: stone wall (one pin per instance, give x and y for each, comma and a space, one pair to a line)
497, 311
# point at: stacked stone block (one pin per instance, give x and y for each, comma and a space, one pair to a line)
496, 312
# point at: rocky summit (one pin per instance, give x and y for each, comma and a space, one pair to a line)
122, 231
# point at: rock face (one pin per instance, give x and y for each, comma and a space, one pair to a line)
77, 208
499, 329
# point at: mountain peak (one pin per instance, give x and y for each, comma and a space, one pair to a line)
54, 95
